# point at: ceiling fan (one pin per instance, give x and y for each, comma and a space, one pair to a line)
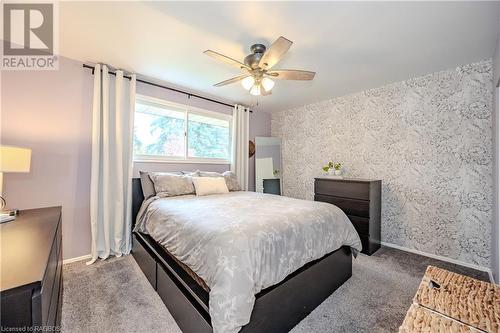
259, 75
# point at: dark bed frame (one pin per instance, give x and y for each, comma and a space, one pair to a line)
277, 308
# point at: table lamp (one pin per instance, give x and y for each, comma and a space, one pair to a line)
12, 159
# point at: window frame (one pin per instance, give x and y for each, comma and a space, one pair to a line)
187, 109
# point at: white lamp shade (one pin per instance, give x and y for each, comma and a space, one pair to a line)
248, 82
267, 84
15, 159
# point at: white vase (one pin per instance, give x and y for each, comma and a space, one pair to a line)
337, 172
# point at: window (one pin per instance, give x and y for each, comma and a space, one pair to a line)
165, 131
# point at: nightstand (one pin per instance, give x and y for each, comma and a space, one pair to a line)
360, 200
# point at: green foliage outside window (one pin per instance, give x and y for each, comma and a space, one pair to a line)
162, 134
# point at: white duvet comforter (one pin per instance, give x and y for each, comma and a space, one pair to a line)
242, 242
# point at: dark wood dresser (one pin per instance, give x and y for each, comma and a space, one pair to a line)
272, 186
360, 200
31, 271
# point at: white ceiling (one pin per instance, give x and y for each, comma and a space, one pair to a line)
351, 45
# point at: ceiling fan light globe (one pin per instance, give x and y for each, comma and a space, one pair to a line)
267, 84
255, 90
248, 82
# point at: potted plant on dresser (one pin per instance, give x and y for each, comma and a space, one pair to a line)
333, 169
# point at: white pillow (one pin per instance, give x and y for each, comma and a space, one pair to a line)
210, 185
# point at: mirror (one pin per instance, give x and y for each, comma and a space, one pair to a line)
268, 165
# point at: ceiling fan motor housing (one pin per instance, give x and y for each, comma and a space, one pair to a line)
252, 60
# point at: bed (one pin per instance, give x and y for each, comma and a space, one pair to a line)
230, 262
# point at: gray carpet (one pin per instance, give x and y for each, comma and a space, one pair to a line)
114, 296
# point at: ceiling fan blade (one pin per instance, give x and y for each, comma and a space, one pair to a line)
226, 59
291, 74
232, 80
274, 53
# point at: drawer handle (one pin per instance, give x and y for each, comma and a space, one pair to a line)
434, 285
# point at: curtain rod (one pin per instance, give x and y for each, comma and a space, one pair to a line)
168, 88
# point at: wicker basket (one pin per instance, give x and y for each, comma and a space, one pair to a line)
450, 302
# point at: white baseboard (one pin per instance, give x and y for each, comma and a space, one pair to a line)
70, 260
435, 256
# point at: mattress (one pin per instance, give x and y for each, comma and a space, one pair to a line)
240, 243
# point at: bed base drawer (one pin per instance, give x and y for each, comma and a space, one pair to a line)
187, 313
144, 259
300, 293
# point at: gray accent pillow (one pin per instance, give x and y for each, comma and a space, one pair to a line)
231, 181
229, 176
170, 184
148, 188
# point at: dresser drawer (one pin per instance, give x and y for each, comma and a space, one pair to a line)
355, 190
144, 260
15, 308
59, 238
349, 206
48, 283
361, 224
54, 302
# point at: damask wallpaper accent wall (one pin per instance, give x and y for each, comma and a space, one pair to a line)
430, 141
